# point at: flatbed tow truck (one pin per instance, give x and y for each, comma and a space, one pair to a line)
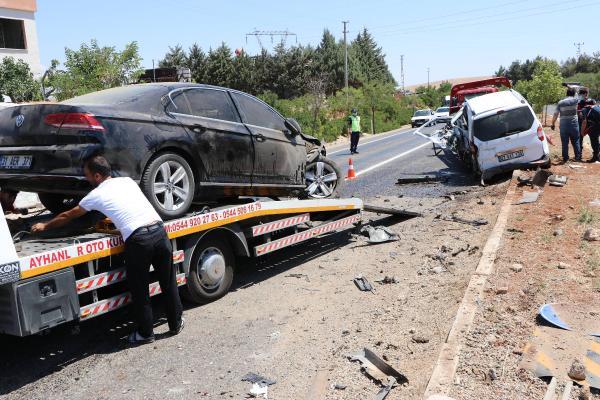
48, 282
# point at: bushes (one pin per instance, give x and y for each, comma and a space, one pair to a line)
325, 117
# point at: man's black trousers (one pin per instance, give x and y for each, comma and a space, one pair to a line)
354, 136
144, 247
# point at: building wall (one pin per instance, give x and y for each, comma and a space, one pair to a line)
31, 54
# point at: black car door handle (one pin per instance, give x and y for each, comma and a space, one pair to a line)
198, 128
260, 137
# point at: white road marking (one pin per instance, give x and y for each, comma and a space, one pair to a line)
370, 141
372, 167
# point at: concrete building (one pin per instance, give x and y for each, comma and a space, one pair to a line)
18, 34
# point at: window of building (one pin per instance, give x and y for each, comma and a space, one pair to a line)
12, 34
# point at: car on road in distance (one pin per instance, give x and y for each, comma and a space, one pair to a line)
181, 142
420, 117
442, 114
499, 132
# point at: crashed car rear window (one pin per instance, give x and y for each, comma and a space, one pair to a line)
504, 124
124, 96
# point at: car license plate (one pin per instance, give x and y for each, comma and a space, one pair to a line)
15, 162
511, 156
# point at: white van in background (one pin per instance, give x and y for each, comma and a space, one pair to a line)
499, 132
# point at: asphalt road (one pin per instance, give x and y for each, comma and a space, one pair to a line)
383, 159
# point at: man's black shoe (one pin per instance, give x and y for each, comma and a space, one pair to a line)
356, 152
177, 331
137, 338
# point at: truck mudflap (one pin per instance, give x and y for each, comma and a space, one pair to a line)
30, 306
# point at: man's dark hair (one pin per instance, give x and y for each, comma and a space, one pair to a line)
583, 90
98, 165
570, 91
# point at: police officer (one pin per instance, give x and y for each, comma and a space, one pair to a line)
354, 131
146, 242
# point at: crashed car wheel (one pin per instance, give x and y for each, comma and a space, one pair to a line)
211, 271
323, 179
168, 183
57, 203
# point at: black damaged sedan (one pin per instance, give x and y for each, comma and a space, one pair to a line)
182, 142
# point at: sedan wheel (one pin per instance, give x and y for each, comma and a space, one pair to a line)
323, 178
168, 182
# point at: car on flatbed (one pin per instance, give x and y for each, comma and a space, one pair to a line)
420, 117
499, 132
181, 142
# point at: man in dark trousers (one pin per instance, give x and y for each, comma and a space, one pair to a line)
354, 130
591, 127
569, 124
146, 242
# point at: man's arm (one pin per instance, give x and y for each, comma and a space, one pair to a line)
584, 127
554, 118
60, 220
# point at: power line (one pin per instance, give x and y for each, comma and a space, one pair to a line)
284, 35
513, 14
511, 18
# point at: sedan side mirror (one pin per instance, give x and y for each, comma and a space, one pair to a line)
293, 126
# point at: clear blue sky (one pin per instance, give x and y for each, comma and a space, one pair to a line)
452, 38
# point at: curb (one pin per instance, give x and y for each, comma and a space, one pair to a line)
442, 378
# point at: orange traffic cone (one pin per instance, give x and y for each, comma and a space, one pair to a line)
351, 173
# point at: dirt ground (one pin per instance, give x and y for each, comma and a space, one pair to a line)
558, 266
294, 329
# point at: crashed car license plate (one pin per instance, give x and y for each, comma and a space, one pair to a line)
15, 162
511, 156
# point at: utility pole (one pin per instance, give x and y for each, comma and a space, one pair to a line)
578, 45
346, 59
283, 34
427, 77
402, 72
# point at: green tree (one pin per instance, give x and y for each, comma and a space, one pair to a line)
367, 61
329, 60
546, 85
16, 81
242, 78
174, 58
196, 62
219, 67
92, 68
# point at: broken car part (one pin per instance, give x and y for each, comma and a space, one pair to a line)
363, 284
379, 370
379, 234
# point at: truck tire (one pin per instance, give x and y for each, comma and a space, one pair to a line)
211, 271
323, 179
57, 203
168, 183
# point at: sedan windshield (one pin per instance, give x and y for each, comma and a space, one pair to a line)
503, 124
442, 110
422, 113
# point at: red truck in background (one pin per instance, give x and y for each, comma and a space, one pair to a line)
462, 91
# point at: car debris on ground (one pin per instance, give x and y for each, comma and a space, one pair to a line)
379, 370
363, 284
455, 218
379, 234
420, 179
528, 197
557, 180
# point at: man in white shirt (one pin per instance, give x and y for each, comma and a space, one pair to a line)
146, 243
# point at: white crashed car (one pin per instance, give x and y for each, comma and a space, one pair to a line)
499, 132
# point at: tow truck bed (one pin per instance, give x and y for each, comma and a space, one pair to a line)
78, 277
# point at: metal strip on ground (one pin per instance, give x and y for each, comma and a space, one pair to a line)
442, 378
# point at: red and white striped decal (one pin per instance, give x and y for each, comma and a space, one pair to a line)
306, 235
97, 281
118, 301
277, 225
111, 277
